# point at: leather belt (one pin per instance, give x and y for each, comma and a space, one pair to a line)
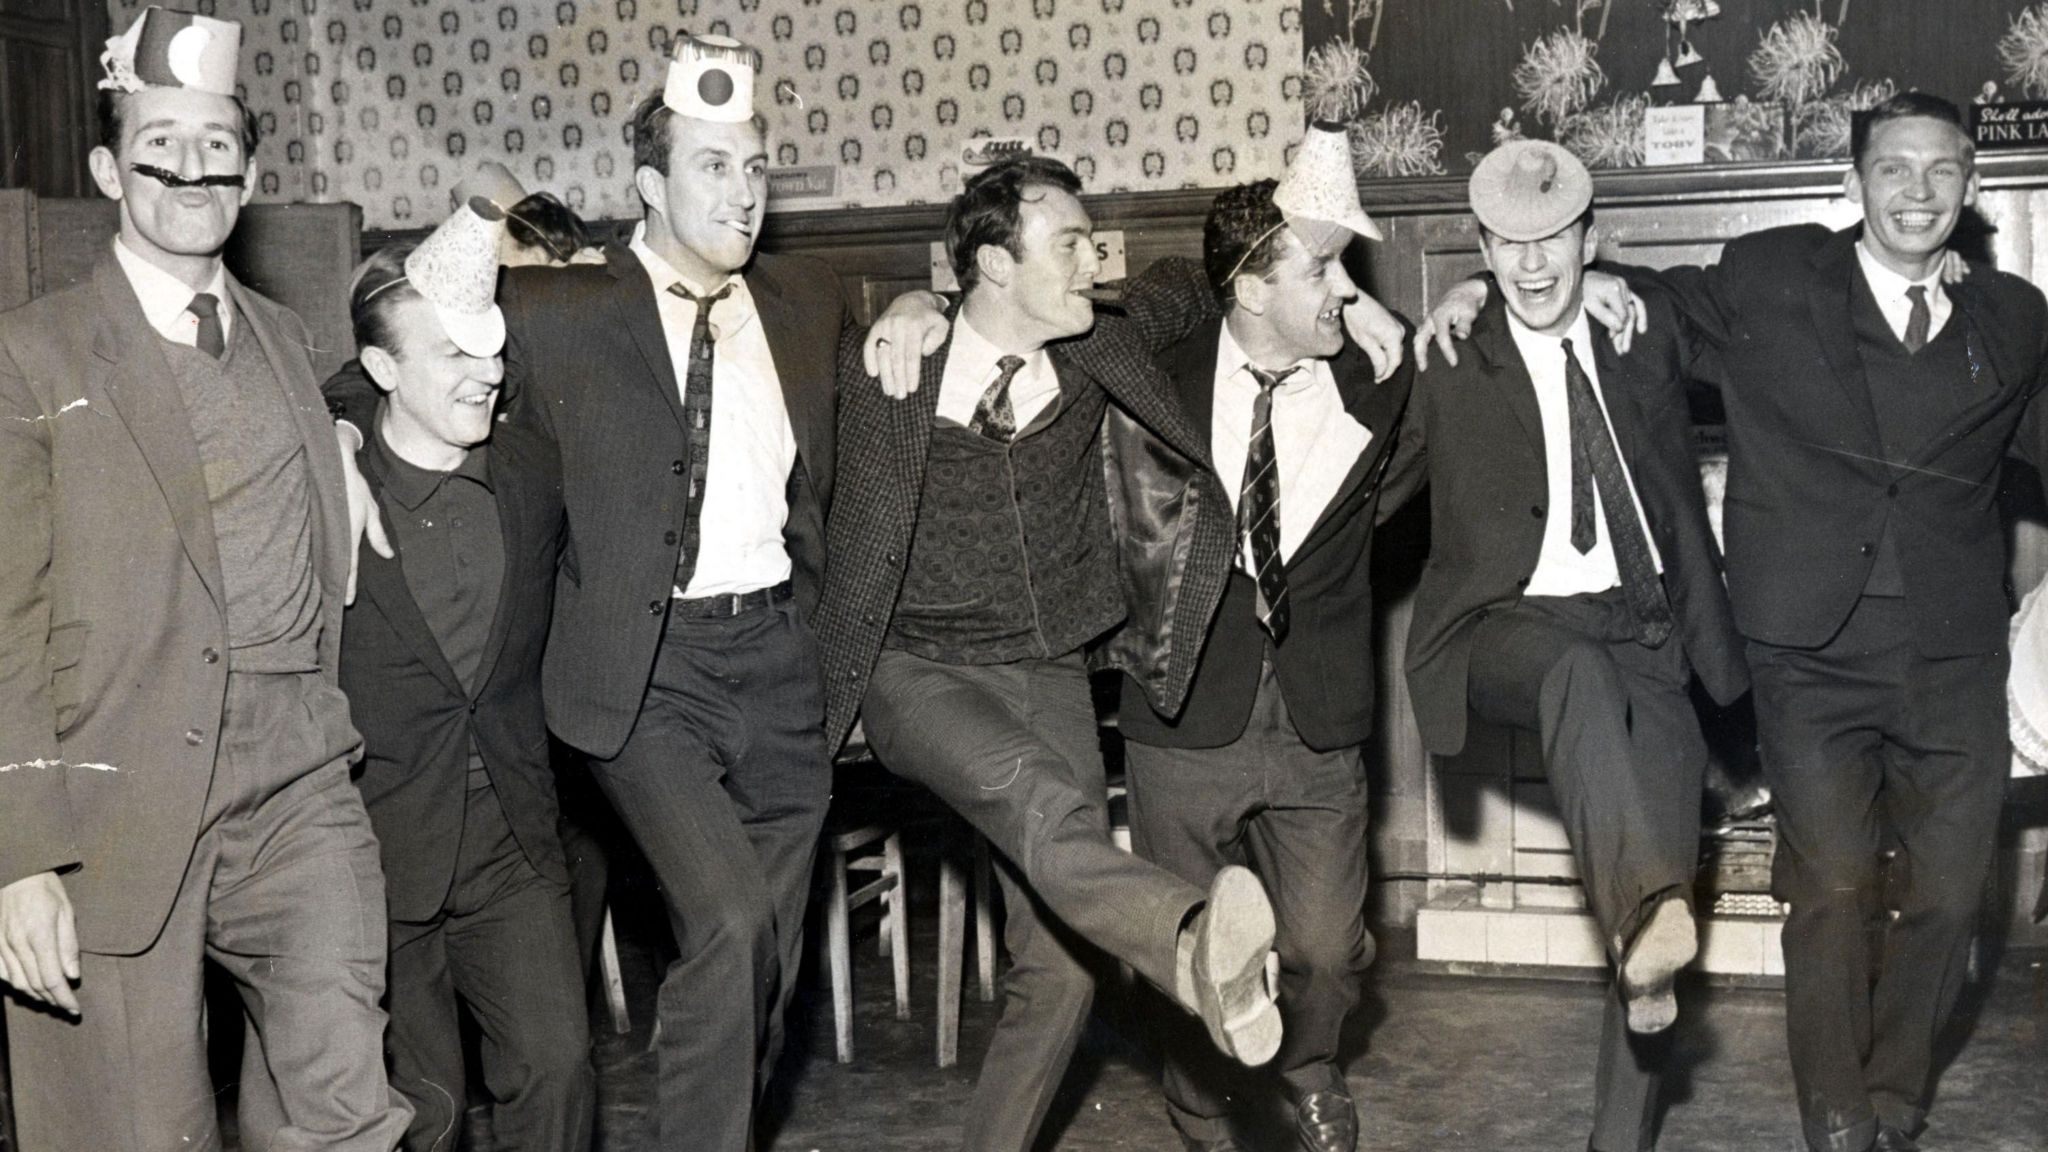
731, 604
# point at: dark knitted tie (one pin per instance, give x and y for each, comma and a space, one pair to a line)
1596, 462
1258, 507
994, 417
206, 306
697, 422
1918, 320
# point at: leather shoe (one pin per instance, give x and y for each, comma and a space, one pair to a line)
1327, 1121
1890, 1139
1220, 1144
1224, 981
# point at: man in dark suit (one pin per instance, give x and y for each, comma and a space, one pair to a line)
1574, 588
174, 747
976, 548
1870, 410
1262, 765
441, 660
688, 385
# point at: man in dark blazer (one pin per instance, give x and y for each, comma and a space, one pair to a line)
696, 445
1262, 765
1870, 410
174, 747
1025, 501
441, 660
1573, 588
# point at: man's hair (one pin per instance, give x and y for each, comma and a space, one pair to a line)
375, 291
113, 114
1904, 106
653, 121
987, 209
541, 221
1241, 235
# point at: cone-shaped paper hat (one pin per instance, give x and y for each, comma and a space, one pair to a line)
1319, 187
456, 270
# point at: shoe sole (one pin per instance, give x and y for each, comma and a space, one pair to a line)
1230, 969
1649, 973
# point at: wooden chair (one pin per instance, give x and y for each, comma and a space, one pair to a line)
847, 852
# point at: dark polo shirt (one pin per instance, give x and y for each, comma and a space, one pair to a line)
452, 551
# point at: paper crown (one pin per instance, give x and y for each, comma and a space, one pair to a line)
1529, 189
712, 78
1319, 185
494, 182
170, 49
456, 270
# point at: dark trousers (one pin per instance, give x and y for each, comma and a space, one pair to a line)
1298, 818
502, 944
1869, 746
1626, 762
285, 892
723, 784
1014, 749
586, 826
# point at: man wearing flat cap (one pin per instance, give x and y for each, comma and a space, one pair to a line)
174, 745
688, 386
1574, 588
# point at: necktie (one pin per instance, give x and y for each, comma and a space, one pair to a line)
696, 422
1918, 320
1595, 462
1258, 507
206, 306
993, 415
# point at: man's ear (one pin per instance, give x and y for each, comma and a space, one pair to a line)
1591, 251
249, 182
1852, 185
106, 172
995, 264
382, 367
1252, 293
653, 188
1970, 188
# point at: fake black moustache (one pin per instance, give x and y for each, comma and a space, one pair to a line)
170, 179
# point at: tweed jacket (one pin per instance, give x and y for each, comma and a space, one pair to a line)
587, 362
113, 624
1811, 488
1169, 518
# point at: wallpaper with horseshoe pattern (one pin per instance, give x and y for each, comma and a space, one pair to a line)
388, 102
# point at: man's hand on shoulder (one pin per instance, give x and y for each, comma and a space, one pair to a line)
1618, 309
913, 327
39, 940
1450, 320
1378, 332
364, 521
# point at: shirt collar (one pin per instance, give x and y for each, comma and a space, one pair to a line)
412, 485
1888, 285
1531, 342
1232, 362
733, 312
972, 351
164, 297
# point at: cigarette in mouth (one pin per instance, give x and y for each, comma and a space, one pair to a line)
1104, 295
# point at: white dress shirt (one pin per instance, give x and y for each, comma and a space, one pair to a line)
1562, 570
165, 298
1890, 289
746, 477
971, 367
1315, 441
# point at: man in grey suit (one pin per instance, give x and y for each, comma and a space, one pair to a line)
174, 748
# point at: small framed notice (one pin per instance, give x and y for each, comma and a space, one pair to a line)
1997, 126
1675, 134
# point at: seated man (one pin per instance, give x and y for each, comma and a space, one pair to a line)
1574, 588
441, 658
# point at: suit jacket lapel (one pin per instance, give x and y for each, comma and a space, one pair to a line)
1192, 368
1374, 407
143, 390
635, 308
508, 485
1506, 372
1624, 419
1828, 297
382, 582
1985, 355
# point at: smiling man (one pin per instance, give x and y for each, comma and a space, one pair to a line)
1870, 410
976, 549
1574, 589
174, 745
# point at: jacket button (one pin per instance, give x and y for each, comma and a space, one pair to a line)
1482, 614
472, 707
867, 618
1892, 490
1537, 511
194, 737
889, 558
654, 607
676, 467
1522, 583
669, 538
210, 656
1865, 549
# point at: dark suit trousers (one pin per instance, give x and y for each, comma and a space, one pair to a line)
1625, 759
285, 892
1014, 749
1298, 818
723, 784
1870, 747
503, 945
